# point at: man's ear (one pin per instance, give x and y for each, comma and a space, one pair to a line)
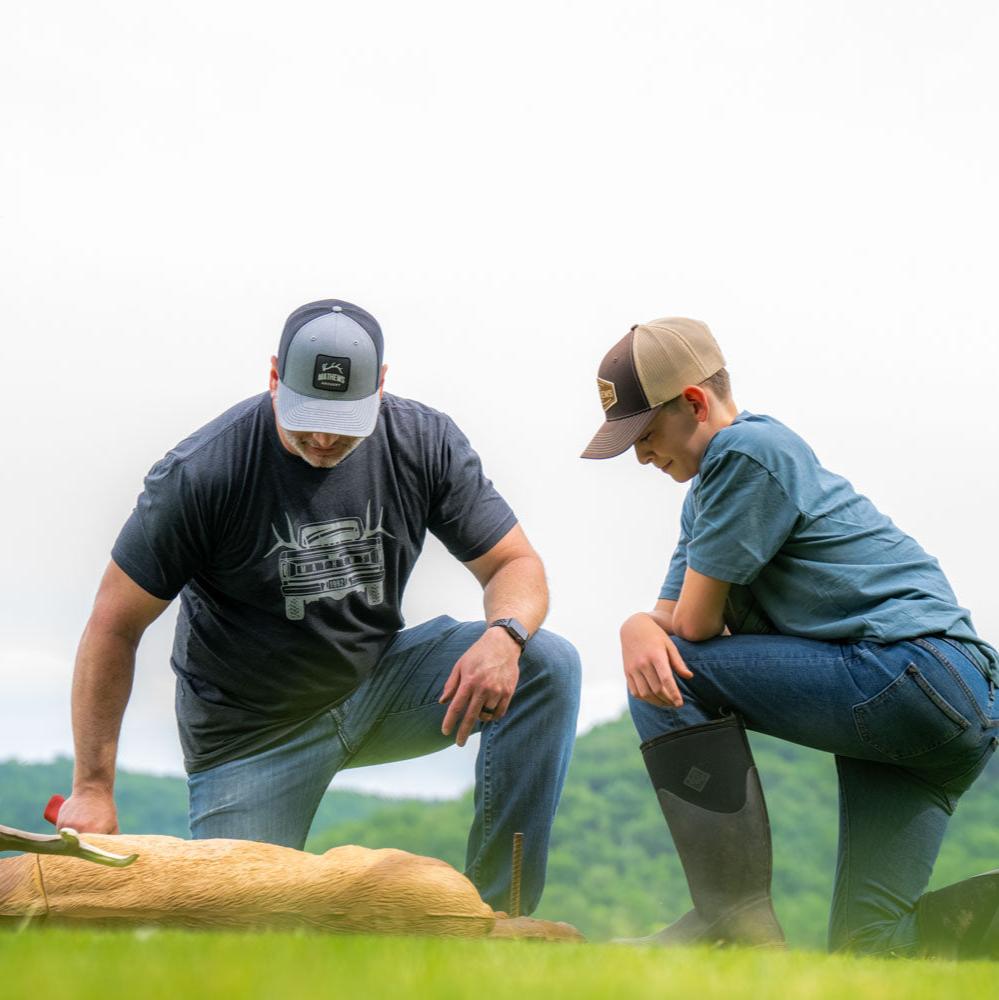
274, 375
381, 381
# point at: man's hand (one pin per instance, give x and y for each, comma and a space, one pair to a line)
650, 660
89, 812
485, 677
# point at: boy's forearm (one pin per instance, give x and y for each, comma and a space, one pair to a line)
664, 619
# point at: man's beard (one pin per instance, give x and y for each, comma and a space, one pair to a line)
318, 460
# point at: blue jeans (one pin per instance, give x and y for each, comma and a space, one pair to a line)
912, 724
394, 715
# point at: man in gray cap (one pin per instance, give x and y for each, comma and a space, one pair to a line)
289, 526
792, 606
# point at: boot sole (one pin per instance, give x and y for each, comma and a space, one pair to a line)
763, 932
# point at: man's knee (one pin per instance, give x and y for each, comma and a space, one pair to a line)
554, 662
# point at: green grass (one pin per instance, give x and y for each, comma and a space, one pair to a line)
152, 964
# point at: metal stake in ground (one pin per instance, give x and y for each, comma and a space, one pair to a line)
518, 862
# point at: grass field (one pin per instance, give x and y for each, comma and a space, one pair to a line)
152, 964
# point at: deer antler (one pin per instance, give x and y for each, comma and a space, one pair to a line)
66, 843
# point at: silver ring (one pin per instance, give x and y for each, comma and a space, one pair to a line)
488, 711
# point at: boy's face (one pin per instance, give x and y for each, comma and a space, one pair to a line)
675, 441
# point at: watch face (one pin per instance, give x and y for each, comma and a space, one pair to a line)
514, 628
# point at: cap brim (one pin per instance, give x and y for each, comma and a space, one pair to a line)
617, 436
352, 417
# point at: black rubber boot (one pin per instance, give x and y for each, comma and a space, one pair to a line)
711, 796
961, 920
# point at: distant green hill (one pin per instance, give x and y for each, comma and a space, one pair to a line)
146, 803
612, 868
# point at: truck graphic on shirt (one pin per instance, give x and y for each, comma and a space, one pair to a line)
332, 559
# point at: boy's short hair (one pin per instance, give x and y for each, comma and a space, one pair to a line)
720, 384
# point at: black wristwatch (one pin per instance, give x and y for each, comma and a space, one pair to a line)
514, 629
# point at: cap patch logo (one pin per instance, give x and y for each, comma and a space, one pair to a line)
331, 374
608, 394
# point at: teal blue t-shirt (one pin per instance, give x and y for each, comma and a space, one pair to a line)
807, 555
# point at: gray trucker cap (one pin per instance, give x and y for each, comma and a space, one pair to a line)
329, 364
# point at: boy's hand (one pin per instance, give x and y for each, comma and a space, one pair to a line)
650, 660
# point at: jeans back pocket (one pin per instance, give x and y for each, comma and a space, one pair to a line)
907, 718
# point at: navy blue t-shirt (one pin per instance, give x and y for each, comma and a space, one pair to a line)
806, 554
290, 577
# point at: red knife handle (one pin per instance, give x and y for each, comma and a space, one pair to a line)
52, 809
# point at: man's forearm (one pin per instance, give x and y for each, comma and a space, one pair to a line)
102, 683
518, 589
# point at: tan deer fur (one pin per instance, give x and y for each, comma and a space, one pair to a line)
245, 884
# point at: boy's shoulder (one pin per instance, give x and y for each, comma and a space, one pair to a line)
763, 439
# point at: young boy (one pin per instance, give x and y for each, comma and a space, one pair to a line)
794, 607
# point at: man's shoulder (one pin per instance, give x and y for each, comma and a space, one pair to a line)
226, 433
403, 407
411, 417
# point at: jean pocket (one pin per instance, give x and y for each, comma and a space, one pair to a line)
908, 718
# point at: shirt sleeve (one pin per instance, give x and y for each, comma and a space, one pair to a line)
466, 512
165, 541
743, 518
673, 584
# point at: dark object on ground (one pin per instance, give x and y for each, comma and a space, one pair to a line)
961, 920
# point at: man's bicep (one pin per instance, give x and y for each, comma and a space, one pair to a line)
513, 545
170, 534
122, 606
466, 512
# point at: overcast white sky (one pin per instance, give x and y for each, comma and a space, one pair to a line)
507, 188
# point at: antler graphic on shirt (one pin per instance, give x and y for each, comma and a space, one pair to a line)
283, 543
377, 529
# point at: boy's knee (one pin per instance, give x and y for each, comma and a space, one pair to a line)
652, 721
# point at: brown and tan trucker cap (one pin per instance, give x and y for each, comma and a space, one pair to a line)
649, 366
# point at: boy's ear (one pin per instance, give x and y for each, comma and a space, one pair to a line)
698, 400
